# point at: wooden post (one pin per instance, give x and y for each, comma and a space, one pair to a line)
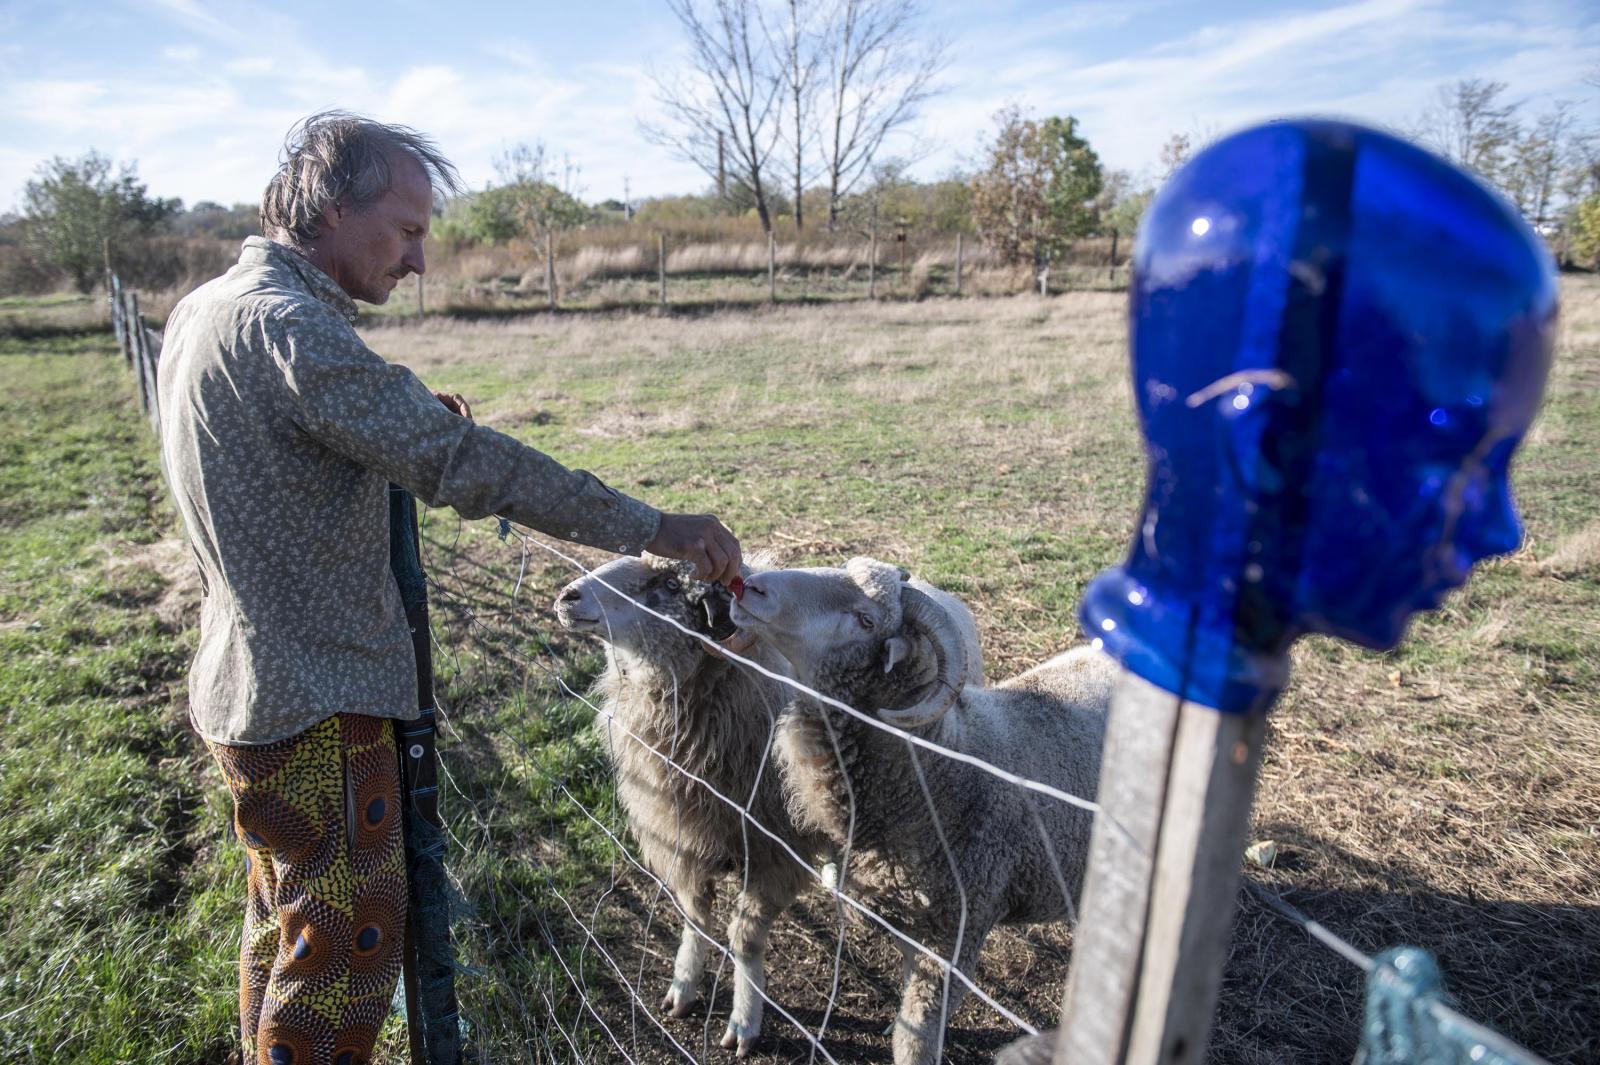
958, 264
661, 264
872, 257
135, 327
1203, 828
1116, 890
421, 308
1044, 277
550, 267
119, 319
1176, 786
772, 267
1112, 276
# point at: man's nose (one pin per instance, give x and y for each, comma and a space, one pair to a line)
413, 260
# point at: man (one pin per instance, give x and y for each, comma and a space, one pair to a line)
280, 433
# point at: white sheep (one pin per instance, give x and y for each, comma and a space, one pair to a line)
863, 636
714, 719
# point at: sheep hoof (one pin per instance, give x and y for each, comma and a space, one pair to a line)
740, 1044
680, 1001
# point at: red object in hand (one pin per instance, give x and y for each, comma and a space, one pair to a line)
736, 586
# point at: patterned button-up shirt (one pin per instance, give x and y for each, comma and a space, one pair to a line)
280, 431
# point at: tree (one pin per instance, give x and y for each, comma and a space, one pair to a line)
1534, 164
729, 101
77, 213
798, 47
1174, 153
879, 72
1038, 189
530, 196
1469, 124
1586, 231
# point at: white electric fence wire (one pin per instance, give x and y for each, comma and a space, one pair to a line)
893, 730
948, 965
662, 885
1488, 1037
474, 621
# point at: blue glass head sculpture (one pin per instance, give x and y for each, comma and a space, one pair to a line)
1338, 342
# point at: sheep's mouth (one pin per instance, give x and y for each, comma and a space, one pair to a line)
577, 621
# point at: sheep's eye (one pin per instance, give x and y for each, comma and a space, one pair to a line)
674, 585
868, 622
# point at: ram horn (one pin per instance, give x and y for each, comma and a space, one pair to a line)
918, 612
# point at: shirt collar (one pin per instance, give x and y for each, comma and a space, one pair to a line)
319, 284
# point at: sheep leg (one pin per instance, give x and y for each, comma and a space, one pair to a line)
908, 958
690, 964
919, 1026
753, 915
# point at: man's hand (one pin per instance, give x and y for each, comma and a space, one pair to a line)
701, 539
454, 403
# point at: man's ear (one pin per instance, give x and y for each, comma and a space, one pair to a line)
332, 216
895, 650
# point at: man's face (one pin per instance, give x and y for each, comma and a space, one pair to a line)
369, 252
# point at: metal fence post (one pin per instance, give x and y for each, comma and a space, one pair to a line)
432, 1016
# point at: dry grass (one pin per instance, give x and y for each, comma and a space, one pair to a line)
1441, 795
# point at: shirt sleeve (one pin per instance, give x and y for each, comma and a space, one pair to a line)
382, 416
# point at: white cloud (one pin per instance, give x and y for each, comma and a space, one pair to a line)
250, 66
207, 122
1379, 61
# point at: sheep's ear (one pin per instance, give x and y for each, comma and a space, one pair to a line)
718, 621
896, 649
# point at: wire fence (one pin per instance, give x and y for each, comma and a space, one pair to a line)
498, 643
566, 924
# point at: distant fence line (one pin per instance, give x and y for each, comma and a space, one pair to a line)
555, 269
140, 350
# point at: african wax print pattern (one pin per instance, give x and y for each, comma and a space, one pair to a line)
325, 907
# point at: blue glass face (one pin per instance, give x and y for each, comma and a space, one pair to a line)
1338, 341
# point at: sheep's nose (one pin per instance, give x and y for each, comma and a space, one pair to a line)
570, 595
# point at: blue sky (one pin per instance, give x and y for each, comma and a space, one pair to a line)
201, 93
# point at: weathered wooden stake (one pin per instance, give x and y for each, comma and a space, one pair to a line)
772, 268
550, 268
872, 257
421, 309
1196, 883
136, 327
1112, 275
958, 264
1106, 950
661, 264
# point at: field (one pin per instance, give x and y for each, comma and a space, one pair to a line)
1440, 795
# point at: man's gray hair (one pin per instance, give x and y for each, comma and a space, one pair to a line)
335, 157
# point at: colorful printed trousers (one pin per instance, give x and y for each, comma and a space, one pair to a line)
325, 909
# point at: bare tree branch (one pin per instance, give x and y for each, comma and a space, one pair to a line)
879, 73
730, 98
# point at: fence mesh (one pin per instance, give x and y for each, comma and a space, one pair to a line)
572, 933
